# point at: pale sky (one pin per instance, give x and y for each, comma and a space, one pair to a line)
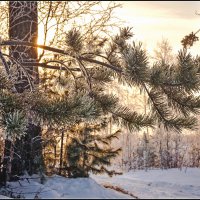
152, 20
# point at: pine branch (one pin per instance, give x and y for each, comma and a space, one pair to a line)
182, 102
136, 70
188, 72
66, 110
125, 117
179, 123
21, 43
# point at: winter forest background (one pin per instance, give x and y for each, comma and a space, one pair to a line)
79, 96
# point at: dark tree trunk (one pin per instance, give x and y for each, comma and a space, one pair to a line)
61, 152
4, 169
23, 26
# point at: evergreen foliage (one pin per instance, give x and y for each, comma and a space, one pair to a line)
168, 87
15, 124
89, 151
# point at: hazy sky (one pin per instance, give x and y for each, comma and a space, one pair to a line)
152, 20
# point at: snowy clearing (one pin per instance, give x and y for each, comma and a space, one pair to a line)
158, 184
57, 187
4, 197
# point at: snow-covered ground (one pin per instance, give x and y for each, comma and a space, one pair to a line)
4, 197
158, 184
57, 187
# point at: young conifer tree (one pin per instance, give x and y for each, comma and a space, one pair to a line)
88, 150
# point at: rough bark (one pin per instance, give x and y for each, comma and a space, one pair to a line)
23, 26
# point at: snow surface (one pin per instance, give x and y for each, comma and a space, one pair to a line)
4, 197
57, 187
158, 184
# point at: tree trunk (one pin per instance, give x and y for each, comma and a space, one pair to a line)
23, 26
10, 162
61, 152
